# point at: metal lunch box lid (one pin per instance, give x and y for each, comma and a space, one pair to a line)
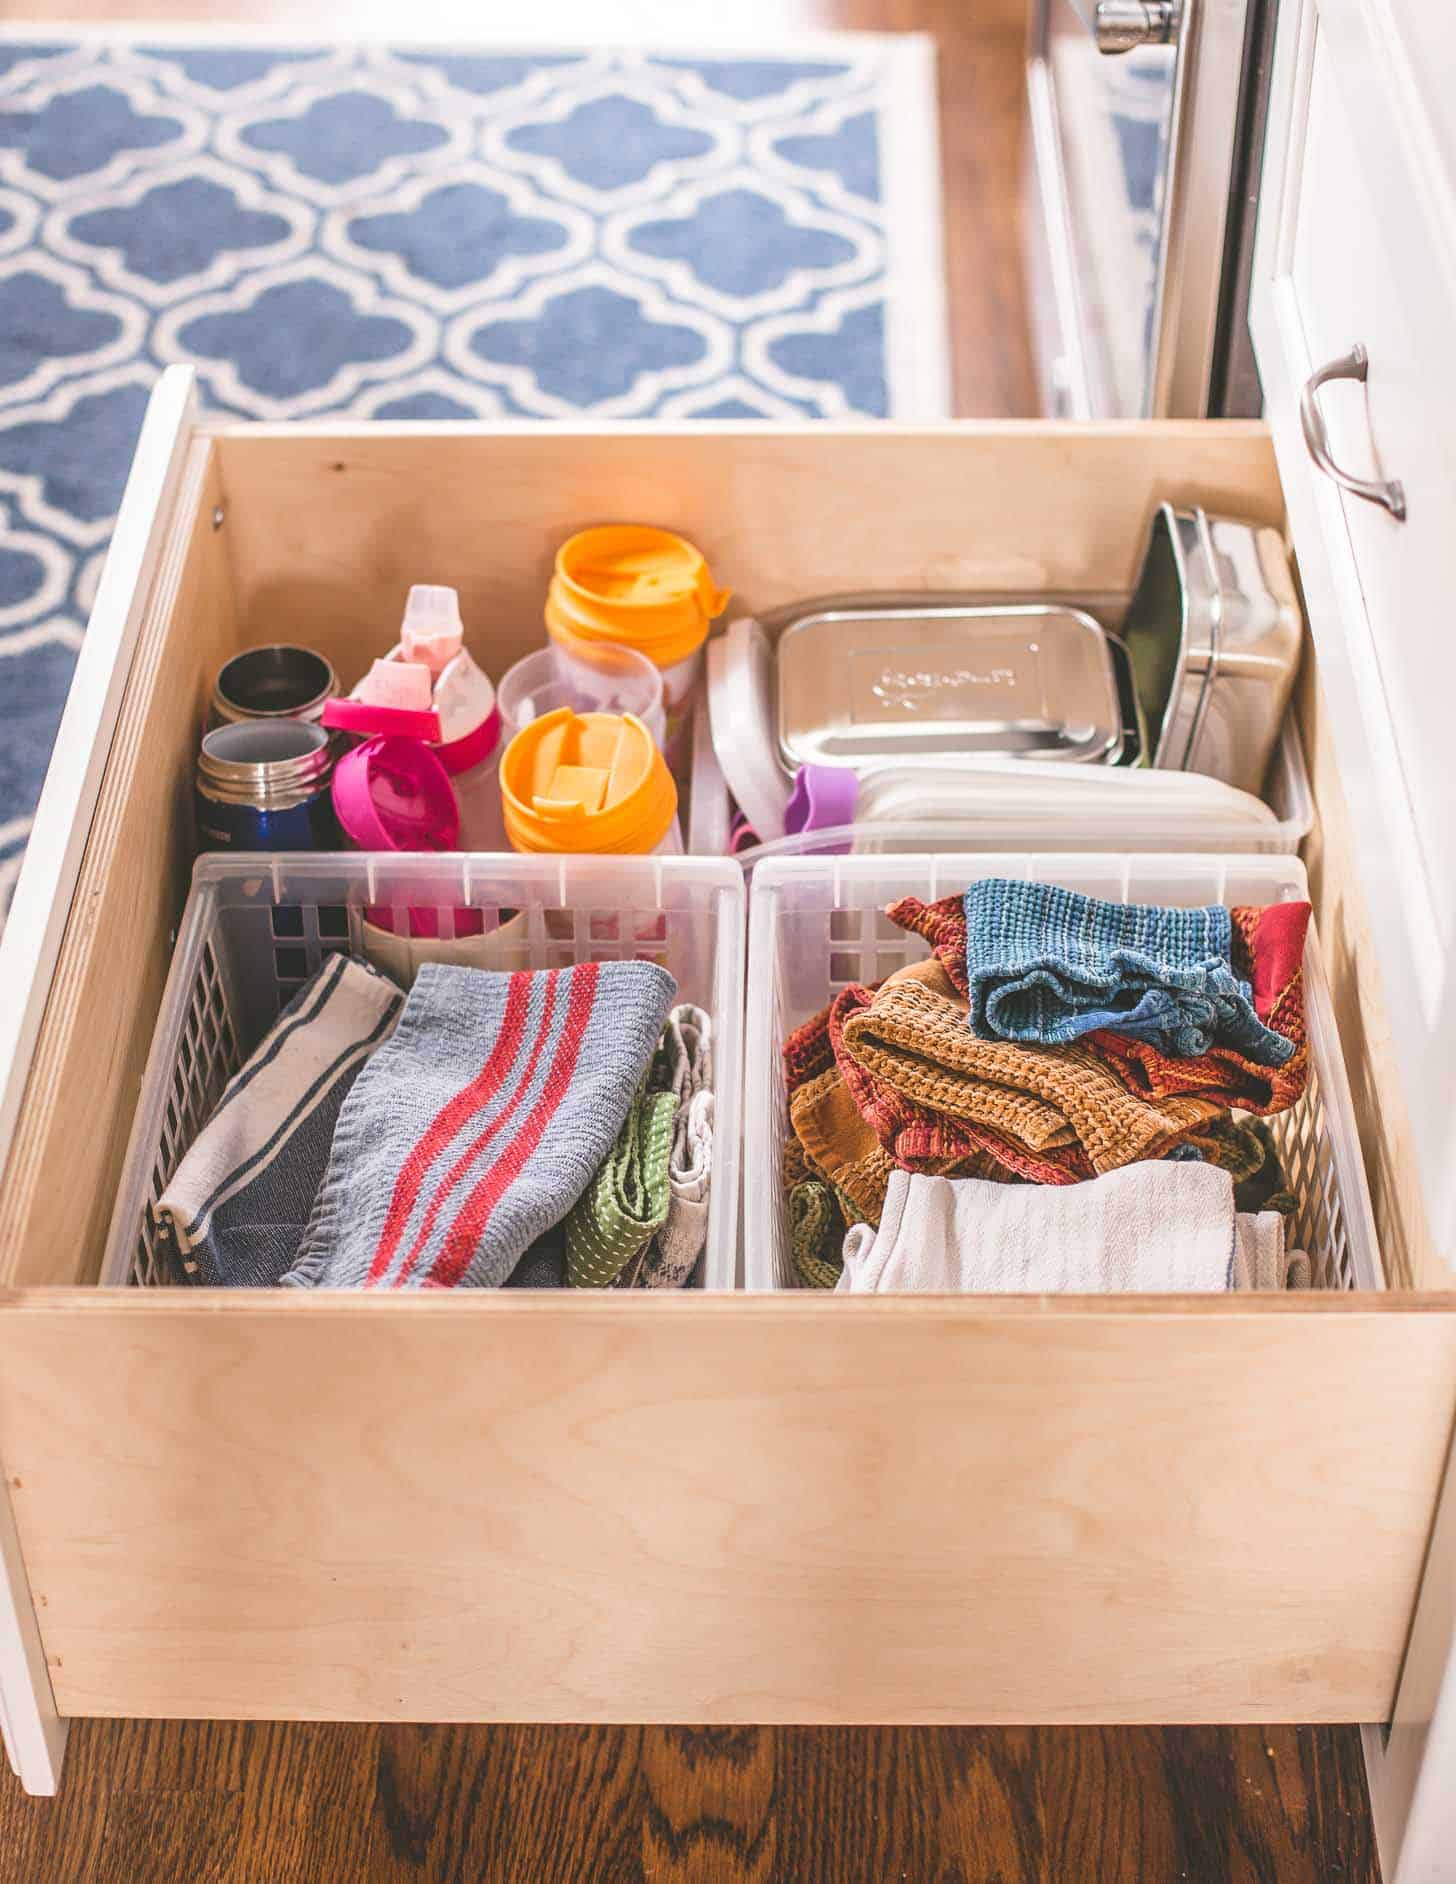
897, 684
1214, 632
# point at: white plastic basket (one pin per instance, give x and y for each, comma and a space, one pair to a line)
256, 927
818, 924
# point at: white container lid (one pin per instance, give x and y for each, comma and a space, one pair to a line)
741, 712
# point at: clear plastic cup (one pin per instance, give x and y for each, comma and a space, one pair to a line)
588, 677
679, 689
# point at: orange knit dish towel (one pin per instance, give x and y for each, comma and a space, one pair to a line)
913, 1037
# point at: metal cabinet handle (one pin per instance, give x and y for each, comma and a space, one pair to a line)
1121, 25
1353, 365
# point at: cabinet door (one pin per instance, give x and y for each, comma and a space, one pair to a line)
1357, 247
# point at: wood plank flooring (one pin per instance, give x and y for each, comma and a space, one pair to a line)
150, 1802
147, 1802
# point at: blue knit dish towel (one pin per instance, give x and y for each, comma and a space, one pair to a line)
1045, 966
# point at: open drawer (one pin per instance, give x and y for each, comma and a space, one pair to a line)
710, 1508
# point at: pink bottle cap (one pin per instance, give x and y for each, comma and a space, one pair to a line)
348, 715
394, 794
431, 631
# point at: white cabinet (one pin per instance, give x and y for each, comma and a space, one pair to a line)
1357, 248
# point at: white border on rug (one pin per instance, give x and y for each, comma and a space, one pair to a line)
917, 334
917, 331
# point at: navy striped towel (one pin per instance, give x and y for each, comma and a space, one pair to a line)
237, 1206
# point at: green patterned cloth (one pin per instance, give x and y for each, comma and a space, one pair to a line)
816, 1234
626, 1203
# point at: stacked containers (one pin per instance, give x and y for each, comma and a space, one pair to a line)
639, 588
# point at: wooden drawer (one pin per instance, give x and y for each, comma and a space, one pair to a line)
719, 1508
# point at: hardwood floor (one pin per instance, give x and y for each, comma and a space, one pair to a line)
151, 1802
225, 1803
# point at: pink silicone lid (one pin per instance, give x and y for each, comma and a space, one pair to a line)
394, 794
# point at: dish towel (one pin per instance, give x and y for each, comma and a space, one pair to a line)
1268, 951
684, 1067
848, 1126
544, 1264
912, 1038
1151, 1228
839, 1145
1046, 966
480, 1122
816, 1234
625, 1204
235, 1210
1268, 1187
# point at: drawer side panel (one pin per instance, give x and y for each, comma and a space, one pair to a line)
59, 1189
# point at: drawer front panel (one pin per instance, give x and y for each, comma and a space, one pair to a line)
724, 1509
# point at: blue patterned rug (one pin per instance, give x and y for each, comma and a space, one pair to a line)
430, 234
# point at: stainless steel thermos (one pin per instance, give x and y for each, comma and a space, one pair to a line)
278, 682
264, 785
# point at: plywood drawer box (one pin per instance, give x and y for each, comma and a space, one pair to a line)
722, 1507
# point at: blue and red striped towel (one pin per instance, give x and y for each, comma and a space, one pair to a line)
480, 1122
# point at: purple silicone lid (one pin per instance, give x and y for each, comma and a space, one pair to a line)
394, 794
823, 796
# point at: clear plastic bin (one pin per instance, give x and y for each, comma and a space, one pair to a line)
1287, 792
256, 927
818, 924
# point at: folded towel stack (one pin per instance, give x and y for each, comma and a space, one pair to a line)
537, 1128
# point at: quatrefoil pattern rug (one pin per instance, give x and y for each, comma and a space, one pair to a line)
430, 234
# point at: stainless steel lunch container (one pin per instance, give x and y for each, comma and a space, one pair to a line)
876, 684
277, 682
1214, 633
